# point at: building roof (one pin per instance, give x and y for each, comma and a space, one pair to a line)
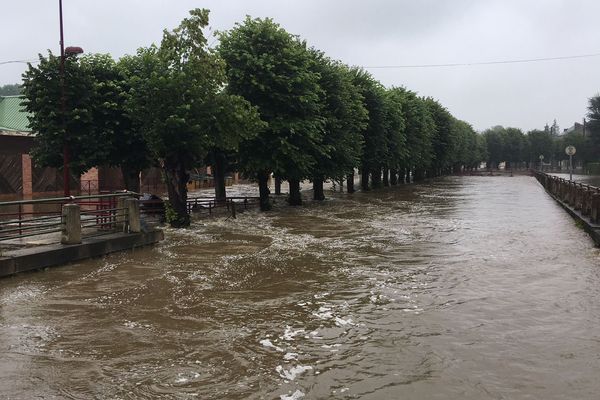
13, 117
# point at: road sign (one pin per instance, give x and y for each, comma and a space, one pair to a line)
541, 157
570, 150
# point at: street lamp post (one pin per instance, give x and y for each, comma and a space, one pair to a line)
66, 178
63, 107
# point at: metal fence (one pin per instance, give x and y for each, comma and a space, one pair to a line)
230, 204
581, 197
26, 218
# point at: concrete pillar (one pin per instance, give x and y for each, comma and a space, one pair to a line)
586, 202
133, 215
578, 191
121, 215
71, 227
27, 181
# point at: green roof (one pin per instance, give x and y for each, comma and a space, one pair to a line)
12, 115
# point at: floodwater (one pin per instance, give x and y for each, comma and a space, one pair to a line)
593, 180
461, 288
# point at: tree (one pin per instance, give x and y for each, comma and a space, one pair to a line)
469, 149
122, 137
443, 141
344, 119
397, 155
593, 124
235, 121
98, 129
540, 142
11, 90
514, 146
274, 71
54, 129
494, 138
173, 96
420, 127
375, 147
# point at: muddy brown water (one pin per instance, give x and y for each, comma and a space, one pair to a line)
462, 288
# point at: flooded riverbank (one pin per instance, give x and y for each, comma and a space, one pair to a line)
461, 288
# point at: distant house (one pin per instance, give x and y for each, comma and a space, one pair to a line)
576, 128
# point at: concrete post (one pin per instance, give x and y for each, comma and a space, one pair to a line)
121, 215
133, 215
578, 197
585, 203
71, 228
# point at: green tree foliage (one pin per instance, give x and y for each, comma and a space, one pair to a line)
507, 145
98, 128
344, 120
397, 153
420, 128
234, 121
540, 143
173, 96
494, 138
375, 148
514, 146
124, 143
11, 90
54, 129
469, 147
443, 139
593, 124
273, 70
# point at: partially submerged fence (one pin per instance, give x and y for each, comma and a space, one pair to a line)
581, 197
231, 204
73, 217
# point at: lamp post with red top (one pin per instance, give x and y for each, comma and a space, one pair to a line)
63, 53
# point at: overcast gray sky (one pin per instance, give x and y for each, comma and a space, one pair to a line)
370, 33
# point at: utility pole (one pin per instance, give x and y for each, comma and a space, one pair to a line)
63, 108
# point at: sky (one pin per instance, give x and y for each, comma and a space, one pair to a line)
371, 33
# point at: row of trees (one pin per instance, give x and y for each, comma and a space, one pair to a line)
512, 145
10, 90
263, 102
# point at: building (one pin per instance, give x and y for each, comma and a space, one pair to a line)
21, 179
576, 128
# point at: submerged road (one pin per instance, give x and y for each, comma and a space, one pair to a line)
461, 288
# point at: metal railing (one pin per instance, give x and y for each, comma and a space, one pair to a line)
579, 196
26, 218
231, 204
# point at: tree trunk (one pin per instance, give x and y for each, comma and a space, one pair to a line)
364, 179
277, 185
131, 178
318, 189
177, 178
294, 198
350, 182
386, 177
393, 177
219, 167
263, 188
418, 175
376, 177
